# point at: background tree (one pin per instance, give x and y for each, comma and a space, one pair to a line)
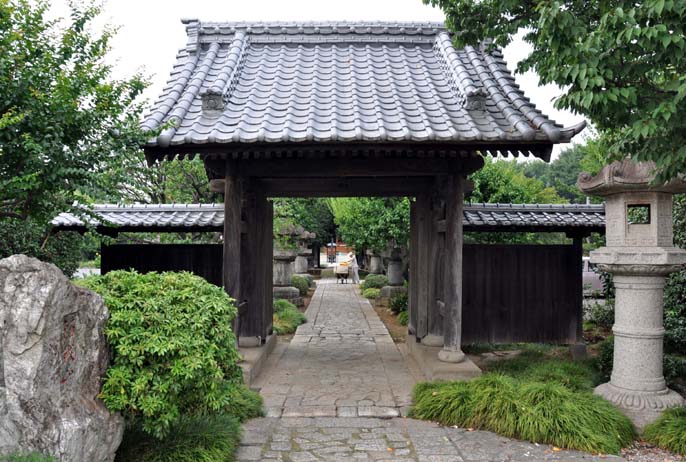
313, 214
371, 223
63, 119
621, 63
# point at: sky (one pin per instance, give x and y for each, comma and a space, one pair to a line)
151, 33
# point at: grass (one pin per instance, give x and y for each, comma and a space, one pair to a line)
669, 431
27, 457
195, 439
371, 293
287, 317
403, 318
540, 412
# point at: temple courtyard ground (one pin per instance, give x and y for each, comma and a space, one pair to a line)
340, 389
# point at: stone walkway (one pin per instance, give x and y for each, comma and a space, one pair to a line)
335, 393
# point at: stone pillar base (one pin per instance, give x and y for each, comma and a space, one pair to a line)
288, 293
392, 291
426, 358
640, 406
451, 356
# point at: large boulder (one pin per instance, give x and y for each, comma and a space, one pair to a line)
53, 355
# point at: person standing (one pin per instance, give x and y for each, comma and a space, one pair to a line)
354, 267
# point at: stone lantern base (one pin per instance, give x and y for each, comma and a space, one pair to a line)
641, 407
288, 293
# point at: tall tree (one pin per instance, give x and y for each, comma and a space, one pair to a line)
63, 119
621, 63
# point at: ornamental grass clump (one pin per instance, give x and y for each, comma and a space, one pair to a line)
287, 317
192, 439
173, 350
669, 431
519, 408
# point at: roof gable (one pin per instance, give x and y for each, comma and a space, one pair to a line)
239, 83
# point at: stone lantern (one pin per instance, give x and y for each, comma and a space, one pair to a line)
394, 272
303, 239
640, 253
284, 258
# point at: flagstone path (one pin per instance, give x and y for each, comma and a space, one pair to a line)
337, 391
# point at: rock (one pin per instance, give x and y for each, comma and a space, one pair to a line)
53, 355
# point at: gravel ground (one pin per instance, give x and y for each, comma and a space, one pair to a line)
641, 451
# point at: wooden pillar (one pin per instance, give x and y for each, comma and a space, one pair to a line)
265, 260
412, 299
435, 279
423, 273
232, 233
578, 285
452, 328
250, 326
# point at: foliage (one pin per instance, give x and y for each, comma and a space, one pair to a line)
374, 281
30, 457
622, 64
287, 317
399, 302
63, 119
561, 174
173, 348
301, 283
372, 223
313, 214
403, 318
28, 237
527, 409
605, 358
371, 293
669, 431
602, 314
212, 438
675, 289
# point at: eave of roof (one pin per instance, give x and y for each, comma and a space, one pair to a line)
242, 84
210, 218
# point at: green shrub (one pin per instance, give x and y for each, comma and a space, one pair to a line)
675, 314
605, 357
398, 303
403, 318
173, 348
674, 368
374, 281
539, 412
27, 457
200, 438
371, 293
287, 317
603, 315
669, 431
301, 283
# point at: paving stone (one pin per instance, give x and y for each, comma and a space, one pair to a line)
336, 391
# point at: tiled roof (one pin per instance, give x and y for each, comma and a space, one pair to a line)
541, 217
210, 217
343, 82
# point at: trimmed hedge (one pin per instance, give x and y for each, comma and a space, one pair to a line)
301, 283
374, 281
540, 412
173, 350
669, 431
371, 293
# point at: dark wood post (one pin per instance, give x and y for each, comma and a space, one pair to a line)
265, 261
435, 279
422, 281
232, 236
412, 298
578, 285
452, 329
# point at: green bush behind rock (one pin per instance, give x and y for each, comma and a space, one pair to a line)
173, 350
301, 283
371, 293
287, 317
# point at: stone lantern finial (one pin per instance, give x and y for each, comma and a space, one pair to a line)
639, 253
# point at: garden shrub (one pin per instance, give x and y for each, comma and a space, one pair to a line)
287, 317
675, 313
371, 293
398, 303
605, 357
173, 350
374, 281
301, 283
403, 318
669, 431
200, 438
603, 315
539, 412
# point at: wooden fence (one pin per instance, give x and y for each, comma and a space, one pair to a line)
511, 293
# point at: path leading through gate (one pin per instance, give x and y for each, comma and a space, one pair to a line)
335, 393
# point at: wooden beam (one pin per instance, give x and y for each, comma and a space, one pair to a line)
345, 187
452, 328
